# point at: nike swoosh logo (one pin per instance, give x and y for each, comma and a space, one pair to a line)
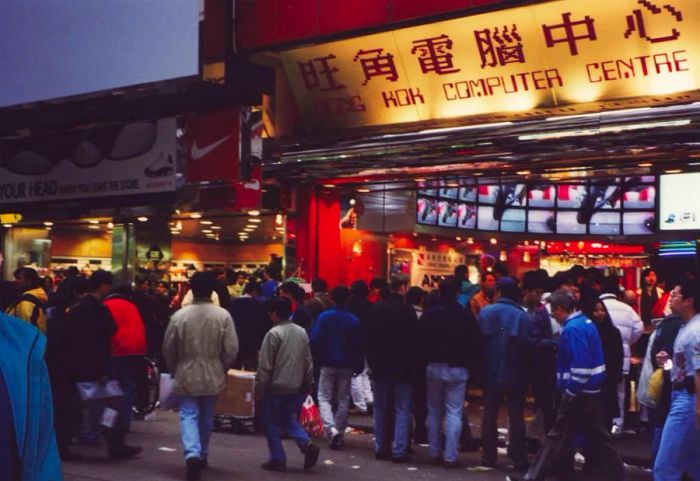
198, 153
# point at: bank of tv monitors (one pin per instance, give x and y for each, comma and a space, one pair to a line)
616, 206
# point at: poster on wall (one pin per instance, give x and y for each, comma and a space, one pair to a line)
679, 202
115, 160
428, 268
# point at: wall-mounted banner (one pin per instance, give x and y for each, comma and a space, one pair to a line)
103, 161
542, 56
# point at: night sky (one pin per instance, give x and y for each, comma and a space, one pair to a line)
57, 48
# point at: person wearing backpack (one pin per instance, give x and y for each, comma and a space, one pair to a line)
30, 305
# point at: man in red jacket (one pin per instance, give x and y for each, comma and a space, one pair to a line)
128, 348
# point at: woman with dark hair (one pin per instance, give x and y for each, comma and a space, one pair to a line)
611, 339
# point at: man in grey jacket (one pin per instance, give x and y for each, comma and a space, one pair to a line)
284, 379
200, 345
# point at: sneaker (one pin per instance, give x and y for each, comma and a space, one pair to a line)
126, 452
194, 469
382, 456
311, 454
274, 465
336, 441
161, 167
616, 432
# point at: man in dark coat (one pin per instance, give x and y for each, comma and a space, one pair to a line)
390, 337
252, 323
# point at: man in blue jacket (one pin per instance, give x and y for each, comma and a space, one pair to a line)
28, 449
580, 375
505, 327
336, 343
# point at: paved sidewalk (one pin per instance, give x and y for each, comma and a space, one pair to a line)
238, 457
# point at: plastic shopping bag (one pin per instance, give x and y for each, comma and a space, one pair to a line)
310, 418
101, 403
167, 399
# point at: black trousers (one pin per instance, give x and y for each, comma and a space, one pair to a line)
493, 397
582, 414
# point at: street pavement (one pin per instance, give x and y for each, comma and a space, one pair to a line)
238, 457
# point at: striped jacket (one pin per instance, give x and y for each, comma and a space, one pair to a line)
580, 361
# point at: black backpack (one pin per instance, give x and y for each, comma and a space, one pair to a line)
38, 307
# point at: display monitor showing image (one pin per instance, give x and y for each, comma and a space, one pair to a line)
466, 216
570, 196
428, 191
512, 195
488, 193
605, 223
541, 221
542, 195
486, 221
447, 213
449, 192
468, 193
513, 220
638, 223
679, 202
639, 196
427, 211
567, 223
602, 196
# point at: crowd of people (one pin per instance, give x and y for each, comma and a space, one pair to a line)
407, 355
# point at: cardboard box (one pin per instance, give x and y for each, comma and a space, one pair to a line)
238, 400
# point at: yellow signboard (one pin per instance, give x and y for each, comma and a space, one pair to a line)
549, 56
10, 218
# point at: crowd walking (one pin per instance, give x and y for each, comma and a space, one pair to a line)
406, 356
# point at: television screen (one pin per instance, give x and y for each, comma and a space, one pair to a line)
570, 196
605, 223
679, 202
541, 221
486, 220
449, 192
639, 196
447, 213
466, 216
427, 191
568, 223
638, 223
426, 211
513, 220
488, 193
542, 195
468, 193
602, 196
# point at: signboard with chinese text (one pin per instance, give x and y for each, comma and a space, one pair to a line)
545, 56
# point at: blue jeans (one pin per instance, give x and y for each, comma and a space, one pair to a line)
196, 422
280, 414
383, 391
446, 390
680, 442
123, 368
334, 381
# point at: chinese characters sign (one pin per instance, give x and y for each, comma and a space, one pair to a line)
544, 56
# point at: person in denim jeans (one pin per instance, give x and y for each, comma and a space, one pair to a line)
679, 451
200, 345
449, 344
284, 379
506, 326
337, 344
390, 336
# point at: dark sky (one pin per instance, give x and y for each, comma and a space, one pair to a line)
56, 48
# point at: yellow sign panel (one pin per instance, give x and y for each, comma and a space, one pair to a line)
551, 56
10, 218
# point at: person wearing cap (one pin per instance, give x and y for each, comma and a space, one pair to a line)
505, 326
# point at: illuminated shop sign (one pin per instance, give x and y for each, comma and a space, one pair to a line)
549, 56
618, 206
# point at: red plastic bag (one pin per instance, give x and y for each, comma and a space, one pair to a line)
310, 418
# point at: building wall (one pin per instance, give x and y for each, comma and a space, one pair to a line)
224, 253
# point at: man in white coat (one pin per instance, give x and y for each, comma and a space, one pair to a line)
631, 327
